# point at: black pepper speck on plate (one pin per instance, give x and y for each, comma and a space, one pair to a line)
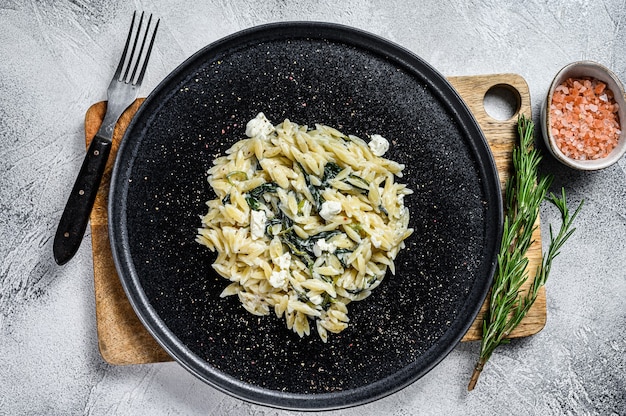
362, 85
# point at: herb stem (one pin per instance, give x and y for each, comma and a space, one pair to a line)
524, 193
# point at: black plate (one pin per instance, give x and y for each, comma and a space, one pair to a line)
309, 73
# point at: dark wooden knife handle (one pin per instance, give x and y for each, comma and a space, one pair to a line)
80, 202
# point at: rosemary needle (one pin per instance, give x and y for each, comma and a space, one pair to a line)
525, 191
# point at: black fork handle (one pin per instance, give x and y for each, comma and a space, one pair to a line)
80, 202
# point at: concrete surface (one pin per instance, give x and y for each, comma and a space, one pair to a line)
57, 58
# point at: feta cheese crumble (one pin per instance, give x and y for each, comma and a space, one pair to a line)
258, 220
283, 261
259, 126
378, 144
278, 279
321, 245
329, 209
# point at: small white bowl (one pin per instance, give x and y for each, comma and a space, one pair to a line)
589, 69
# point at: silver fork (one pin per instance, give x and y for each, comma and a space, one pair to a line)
122, 92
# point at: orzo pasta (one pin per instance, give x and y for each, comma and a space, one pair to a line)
305, 221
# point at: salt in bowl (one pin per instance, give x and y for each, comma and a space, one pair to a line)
591, 70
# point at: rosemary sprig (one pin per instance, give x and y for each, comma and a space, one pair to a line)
525, 191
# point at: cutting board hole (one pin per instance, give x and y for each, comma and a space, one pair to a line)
502, 102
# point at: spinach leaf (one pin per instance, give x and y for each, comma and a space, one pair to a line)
254, 196
259, 191
314, 190
331, 170
253, 203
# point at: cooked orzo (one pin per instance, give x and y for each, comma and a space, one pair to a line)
305, 222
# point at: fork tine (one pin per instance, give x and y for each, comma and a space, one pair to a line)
145, 62
118, 71
132, 52
143, 44
140, 54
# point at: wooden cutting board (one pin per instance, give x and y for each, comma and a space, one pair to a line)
123, 339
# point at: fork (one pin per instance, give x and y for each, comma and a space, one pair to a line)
122, 92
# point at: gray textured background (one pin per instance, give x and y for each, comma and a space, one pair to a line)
57, 58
